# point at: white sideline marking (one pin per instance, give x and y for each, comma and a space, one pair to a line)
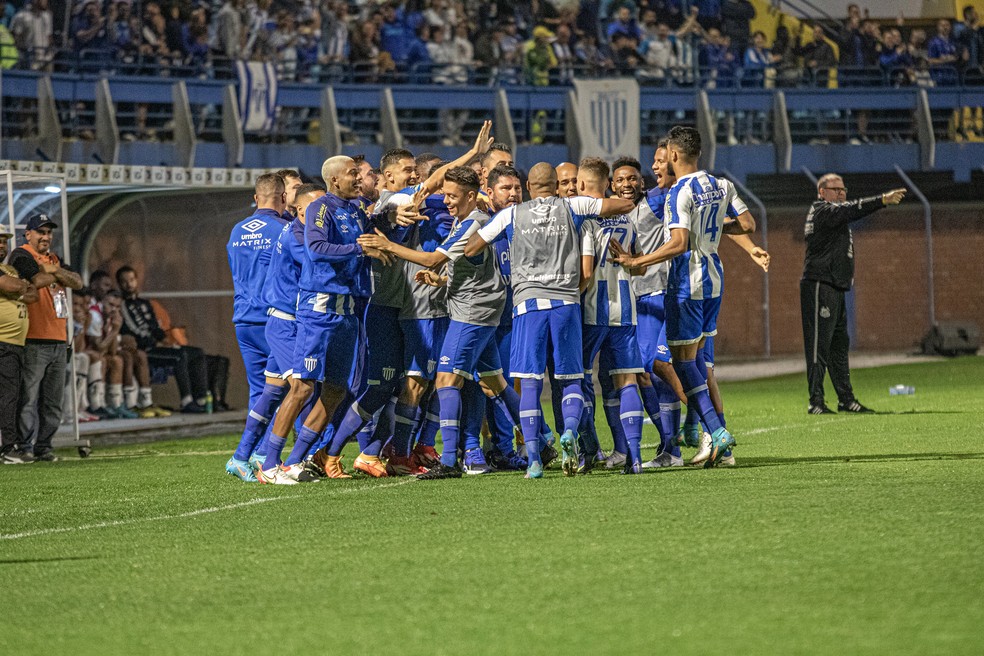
184, 515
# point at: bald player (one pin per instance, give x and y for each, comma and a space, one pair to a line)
544, 248
334, 290
567, 180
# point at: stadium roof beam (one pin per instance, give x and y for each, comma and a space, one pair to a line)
924, 132
707, 126
107, 130
185, 141
49, 127
232, 127
503, 128
781, 136
389, 127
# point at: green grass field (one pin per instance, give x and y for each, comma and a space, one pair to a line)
838, 534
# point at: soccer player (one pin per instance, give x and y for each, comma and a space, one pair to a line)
609, 312
697, 205
476, 298
249, 248
334, 291
504, 189
292, 182
417, 336
498, 154
368, 178
280, 294
545, 267
566, 180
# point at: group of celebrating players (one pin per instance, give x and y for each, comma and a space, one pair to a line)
389, 308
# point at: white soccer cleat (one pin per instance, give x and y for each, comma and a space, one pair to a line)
726, 461
665, 459
703, 450
615, 460
275, 476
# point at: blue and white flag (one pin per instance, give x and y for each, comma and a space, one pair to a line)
607, 117
257, 95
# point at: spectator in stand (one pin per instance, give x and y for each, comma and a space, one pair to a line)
716, 61
89, 28
31, 28
942, 56
45, 352
917, 46
16, 293
592, 59
818, 58
124, 30
441, 53
736, 18
395, 36
539, 58
365, 52
660, 55
969, 36
140, 322
625, 54
624, 23
895, 60
283, 42
230, 34
258, 29
336, 37
709, 13
7, 13
564, 53
758, 71
512, 51
488, 52
194, 40
588, 18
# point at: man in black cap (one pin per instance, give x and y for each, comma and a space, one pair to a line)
827, 275
45, 353
15, 294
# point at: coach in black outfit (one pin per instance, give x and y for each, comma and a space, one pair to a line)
827, 275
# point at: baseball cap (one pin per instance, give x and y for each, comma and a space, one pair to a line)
541, 32
5, 235
39, 221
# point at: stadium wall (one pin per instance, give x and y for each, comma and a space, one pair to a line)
176, 241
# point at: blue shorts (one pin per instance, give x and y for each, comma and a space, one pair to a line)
619, 343
256, 352
535, 332
281, 334
330, 347
709, 351
651, 331
689, 321
385, 361
469, 349
503, 342
422, 341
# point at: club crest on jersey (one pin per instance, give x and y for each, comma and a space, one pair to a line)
388, 373
825, 312
431, 365
310, 363
254, 225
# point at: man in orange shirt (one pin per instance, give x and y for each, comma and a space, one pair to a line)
45, 353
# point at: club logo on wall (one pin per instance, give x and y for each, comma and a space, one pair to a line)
609, 119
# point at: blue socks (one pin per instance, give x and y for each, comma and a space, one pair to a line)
530, 416
669, 415
431, 422
695, 385
275, 446
615, 424
474, 402
572, 405
631, 416
305, 439
258, 419
405, 417
450, 400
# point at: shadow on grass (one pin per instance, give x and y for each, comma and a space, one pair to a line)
54, 559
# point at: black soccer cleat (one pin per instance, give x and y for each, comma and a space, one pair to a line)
855, 408
547, 455
821, 409
439, 471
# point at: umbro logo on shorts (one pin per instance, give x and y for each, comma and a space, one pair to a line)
310, 363
445, 359
254, 225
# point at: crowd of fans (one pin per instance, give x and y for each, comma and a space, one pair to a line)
121, 344
501, 42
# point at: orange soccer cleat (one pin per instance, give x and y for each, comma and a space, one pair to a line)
370, 465
333, 467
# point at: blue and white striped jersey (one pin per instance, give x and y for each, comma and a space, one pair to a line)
700, 202
608, 299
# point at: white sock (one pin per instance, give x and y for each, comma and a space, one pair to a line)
145, 399
130, 396
115, 396
97, 387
